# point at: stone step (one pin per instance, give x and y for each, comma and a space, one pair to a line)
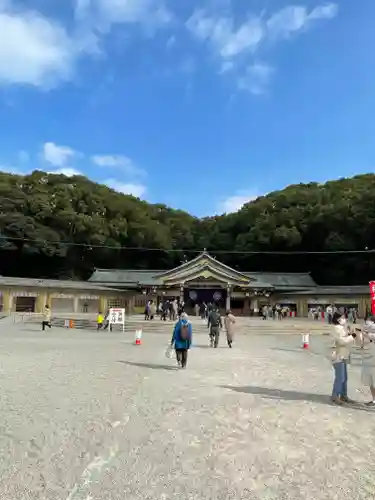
159, 327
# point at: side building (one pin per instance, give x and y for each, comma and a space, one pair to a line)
203, 279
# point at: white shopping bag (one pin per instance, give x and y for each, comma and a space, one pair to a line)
170, 353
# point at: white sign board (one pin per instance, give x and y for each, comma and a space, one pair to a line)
117, 317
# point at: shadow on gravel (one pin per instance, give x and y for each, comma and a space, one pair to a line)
152, 366
301, 351
291, 396
205, 346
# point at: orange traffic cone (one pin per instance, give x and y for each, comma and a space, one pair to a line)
138, 337
305, 340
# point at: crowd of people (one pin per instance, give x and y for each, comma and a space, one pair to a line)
276, 311
350, 313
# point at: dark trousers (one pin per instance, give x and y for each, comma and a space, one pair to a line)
214, 335
44, 324
182, 355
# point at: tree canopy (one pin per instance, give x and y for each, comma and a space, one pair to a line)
63, 227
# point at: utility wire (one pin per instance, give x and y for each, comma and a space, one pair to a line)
187, 250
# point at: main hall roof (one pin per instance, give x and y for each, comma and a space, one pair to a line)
205, 266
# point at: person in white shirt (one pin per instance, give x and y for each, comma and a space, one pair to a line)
329, 312
368, 357
343, 341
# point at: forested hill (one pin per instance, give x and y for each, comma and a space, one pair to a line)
55, 226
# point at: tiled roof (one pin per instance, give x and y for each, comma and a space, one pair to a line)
336, 290
125, 276
41, 283
284, 280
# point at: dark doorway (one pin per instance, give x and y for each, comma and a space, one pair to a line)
194, 296
25, 304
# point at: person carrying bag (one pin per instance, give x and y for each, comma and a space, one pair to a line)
181, 340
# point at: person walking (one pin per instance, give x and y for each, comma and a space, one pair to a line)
46, 317
214, 324
229, 322
181, 340
343, 341
99, 321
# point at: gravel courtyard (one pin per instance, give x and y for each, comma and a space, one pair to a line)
89, 416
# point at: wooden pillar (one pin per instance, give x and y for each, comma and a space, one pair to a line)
102, 303
229, 295
302, 310
41, 301
131, 303
7, 302
246, 309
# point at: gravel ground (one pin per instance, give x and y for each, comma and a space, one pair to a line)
89, 416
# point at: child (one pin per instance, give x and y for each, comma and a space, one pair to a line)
100, 321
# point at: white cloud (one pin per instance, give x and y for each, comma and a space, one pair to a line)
256, 78
137, 190
236, 202
117, 161
68, 171
37, 51
56, 155
296, 18
103, 13
41, 52
228, 41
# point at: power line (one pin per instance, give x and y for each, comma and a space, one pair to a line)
187, 250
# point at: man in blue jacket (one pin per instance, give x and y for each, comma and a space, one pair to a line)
181, 339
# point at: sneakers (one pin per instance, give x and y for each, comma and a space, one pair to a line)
347, 400
336, 400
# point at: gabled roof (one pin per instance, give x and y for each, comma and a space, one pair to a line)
203, 265
203, 261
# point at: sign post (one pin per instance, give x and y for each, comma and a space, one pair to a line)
372, 295
117, 317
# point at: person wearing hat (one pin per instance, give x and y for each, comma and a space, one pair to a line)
181, 340
368, 357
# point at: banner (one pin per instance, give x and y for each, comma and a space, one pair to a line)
372, 296
117, 317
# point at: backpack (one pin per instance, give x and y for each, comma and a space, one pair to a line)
215, 319
184, 332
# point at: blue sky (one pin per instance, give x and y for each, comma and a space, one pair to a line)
200, 105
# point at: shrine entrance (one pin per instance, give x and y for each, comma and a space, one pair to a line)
194, 296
